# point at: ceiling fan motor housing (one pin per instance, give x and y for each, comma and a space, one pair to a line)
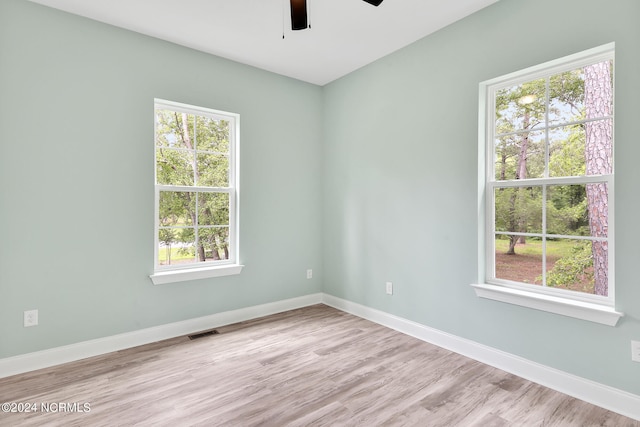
299, 13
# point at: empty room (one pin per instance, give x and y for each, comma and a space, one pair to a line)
320, 212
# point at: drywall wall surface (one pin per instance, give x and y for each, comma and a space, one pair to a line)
401, 181
77, 173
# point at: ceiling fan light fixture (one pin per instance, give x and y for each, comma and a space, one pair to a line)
298, 14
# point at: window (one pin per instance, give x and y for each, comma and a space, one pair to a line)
548, 185
195, 192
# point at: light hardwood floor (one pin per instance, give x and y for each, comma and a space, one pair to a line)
315, 366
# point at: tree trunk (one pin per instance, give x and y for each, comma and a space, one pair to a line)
598, 155
513, 221
519, 224
521, 173
215, 245
512, 245
186, 138
503, 165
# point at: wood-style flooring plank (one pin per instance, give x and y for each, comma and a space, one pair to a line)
315, 366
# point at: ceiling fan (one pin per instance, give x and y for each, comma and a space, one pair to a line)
299, 13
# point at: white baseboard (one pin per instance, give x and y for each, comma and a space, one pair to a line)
601, 395
69, 353
610, 398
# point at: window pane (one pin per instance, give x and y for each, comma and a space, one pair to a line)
567, 151
598, 207
166, 128
167, 249
599, 147
580, 210
519, 262
520, 107
570, 265
213, 170
518, 209
520, 156
581, 149
215, 242
177, 208
567, 210
176, 246
598, 83
174, 167
213, 209
213, 135
566, 97
171, 130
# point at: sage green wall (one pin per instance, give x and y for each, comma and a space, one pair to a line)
76, 167
400, 175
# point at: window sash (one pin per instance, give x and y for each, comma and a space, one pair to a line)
490, 233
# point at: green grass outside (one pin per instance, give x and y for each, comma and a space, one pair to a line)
555, 248
177, 255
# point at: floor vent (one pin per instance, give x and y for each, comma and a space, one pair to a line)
203, 334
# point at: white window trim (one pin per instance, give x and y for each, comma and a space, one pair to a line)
172, 276
553, 304
204, 270
572, 304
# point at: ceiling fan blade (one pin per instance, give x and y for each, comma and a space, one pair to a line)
298, 14
374, 2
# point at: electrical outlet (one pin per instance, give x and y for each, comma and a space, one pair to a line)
309, 273
635, 351
30, 318
389, 288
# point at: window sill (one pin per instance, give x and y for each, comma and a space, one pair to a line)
171, 276
552, 304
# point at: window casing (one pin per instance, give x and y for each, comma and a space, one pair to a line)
196, 192
547, 187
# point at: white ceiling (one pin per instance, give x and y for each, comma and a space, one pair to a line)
345, 34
